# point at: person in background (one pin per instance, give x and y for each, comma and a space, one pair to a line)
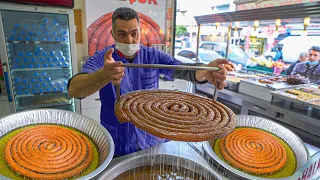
279, 54
104, 70
311, 68
302, 58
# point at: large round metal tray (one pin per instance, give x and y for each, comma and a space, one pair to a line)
168, 159
297, 145
94, 130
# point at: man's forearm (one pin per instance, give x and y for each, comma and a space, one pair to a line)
84, 85
190, 75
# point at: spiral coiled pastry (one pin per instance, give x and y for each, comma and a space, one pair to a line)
253, 151
175, 115
48, 152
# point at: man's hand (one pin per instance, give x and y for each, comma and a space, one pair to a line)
112, 70
215, 77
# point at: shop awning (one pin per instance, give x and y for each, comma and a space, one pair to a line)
281, 12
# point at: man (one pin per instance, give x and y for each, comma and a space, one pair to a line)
104, 70
302, 58
311, 68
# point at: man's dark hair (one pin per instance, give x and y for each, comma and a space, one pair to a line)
124, 13
315, 48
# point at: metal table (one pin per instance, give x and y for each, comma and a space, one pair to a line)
305, 123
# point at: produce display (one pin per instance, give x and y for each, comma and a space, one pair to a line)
176, 115
47, 152
262, 61
256, 152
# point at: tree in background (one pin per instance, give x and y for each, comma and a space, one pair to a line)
180, 30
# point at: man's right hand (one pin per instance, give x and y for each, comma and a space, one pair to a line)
112, 70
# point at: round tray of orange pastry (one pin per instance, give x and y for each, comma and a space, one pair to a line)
258, 149
53, 144
175, 115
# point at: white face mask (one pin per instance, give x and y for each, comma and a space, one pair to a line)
127, 49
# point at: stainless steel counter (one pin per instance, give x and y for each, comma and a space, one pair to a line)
305, 123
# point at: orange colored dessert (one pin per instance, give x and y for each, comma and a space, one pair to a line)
49, 152
253, 151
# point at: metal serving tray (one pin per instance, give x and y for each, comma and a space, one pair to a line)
292, 98
94, 130
294, 141
263, 91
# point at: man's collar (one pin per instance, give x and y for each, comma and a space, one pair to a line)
120, 53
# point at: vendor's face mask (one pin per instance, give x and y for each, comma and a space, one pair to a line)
310, 63
127, 49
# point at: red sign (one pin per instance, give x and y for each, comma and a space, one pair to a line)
144, 1
59, 3
272, 29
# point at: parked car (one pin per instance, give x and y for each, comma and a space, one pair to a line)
189, 56
236, 54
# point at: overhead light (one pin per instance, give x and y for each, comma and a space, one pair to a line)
255, 25
278, 22
307, 21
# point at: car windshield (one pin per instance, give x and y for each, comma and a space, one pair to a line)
234, 51
237, 52
208, 57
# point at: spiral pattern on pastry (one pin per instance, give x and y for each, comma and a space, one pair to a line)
175, 115
253, 151
48, 152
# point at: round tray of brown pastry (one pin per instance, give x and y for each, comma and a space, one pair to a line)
258, 149
176, 115
53, 144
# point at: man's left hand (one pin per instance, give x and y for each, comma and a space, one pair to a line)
215, 77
